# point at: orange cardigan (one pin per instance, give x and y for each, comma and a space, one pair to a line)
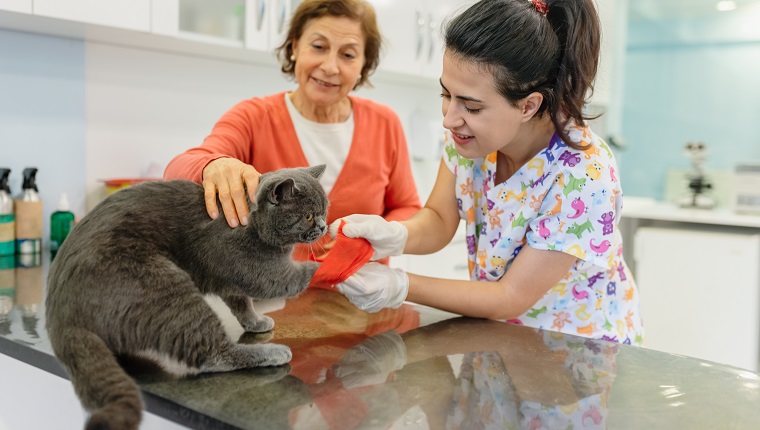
376, 177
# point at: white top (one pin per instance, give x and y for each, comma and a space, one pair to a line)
323, 143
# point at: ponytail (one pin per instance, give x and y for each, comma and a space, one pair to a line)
576, 24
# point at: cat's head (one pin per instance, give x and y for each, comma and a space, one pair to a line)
291, 206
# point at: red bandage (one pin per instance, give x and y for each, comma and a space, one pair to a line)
345, 258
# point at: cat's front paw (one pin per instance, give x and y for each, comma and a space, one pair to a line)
274, 354
261, 325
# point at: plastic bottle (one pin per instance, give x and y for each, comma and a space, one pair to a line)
29, 215
7, 216
61, 223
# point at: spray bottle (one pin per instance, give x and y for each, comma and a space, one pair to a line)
7, 217
29, 215
7, 247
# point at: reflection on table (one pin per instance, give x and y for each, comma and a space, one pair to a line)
415, 367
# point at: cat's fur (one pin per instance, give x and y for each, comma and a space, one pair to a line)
131, 277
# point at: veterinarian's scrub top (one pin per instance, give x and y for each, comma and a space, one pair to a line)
564, 200
487, 396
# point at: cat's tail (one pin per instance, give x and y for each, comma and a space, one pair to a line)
103, 387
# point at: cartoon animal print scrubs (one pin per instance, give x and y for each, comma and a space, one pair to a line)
564, 200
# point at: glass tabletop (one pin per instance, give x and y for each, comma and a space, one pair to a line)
413, 367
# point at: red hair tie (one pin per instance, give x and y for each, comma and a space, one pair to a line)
540, 6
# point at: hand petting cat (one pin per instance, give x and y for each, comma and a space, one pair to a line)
228, 179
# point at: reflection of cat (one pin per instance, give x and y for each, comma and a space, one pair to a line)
130, 280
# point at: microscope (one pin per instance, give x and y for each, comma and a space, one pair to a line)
698, 182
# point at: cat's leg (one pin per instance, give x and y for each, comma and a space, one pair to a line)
242, 308
243, 356
176, 323
197, 339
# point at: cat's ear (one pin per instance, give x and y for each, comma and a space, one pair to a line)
283, 190
317, 171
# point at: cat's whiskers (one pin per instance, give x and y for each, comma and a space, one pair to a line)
321, 247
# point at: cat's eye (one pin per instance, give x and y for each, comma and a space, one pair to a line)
310, 217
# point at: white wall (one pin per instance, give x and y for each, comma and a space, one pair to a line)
42, 120
690, 79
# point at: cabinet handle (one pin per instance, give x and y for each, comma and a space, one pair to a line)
421, 31
260, 17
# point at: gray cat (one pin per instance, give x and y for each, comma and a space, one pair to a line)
131, 276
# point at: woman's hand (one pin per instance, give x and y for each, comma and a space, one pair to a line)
228, 178
376, 286
386, 237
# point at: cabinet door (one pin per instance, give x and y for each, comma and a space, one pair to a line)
164, 17
403, 25
437, 13
257, 17
128, 14
23, 6
279, 20
700, 293
220, 22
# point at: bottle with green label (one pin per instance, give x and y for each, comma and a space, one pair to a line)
7, 216
61, 223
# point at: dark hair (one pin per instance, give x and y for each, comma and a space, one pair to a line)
357, 10
555, 54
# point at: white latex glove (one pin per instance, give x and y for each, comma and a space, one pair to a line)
376, 286
370, 362
388, 238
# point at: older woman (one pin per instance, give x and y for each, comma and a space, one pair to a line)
331, 49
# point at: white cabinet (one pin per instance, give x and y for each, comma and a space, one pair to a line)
267, 23
22, 6
220, 22
412, 35
700, 292
255, 24
127, 14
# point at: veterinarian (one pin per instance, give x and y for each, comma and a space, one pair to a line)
331, 48
538, 190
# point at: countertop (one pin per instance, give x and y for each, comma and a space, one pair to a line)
415, 367
650, 209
